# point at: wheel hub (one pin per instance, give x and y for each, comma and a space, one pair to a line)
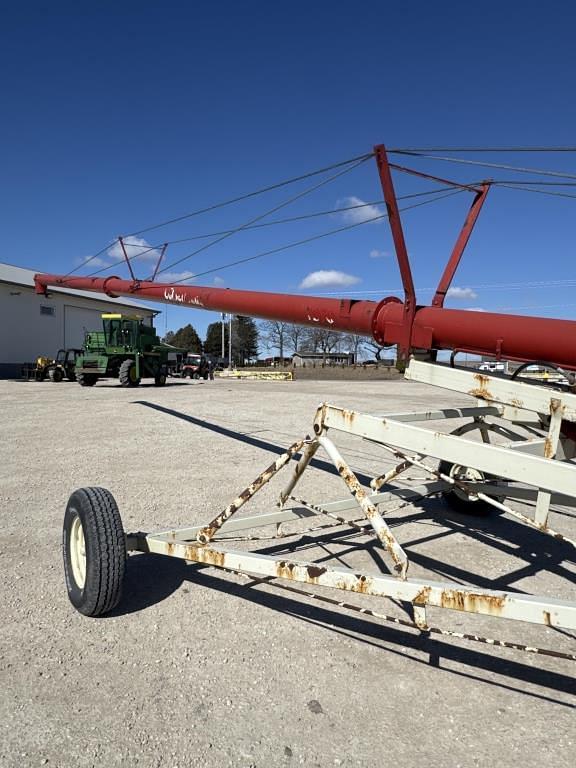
469, 475
78, 552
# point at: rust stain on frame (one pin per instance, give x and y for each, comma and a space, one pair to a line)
472, 602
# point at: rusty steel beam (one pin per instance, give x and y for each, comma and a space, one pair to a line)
419, 592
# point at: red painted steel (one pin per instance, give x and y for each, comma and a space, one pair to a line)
409, 306
389, 321
461, 242
511, 337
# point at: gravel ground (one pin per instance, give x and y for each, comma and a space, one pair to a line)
202, 668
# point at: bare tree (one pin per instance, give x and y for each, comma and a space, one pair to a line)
321, 340
274, 335
355, 343
294, 337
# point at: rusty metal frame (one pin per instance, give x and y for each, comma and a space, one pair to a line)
538, 468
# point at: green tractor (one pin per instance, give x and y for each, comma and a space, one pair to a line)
126, 349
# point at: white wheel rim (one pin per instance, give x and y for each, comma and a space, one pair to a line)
466, 474
78, 552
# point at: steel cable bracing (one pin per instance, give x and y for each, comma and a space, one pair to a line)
123, 261
262, 225
278, 207
483, 149
348, 165
309, 239
520, 185
568, 283
262, 190
302, 217
89, 259
225, 203
501, 166
522, 188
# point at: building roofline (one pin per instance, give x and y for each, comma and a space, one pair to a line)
26, 280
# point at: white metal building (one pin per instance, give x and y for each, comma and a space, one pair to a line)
33, 325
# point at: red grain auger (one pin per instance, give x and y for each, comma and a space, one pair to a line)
521, 465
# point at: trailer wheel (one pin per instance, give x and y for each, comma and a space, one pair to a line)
160, 379
127, 374
86, 379
457, 499
94, 549
55, 375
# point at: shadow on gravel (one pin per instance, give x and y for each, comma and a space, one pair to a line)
149, 579
144, 385
325, 466
152, 578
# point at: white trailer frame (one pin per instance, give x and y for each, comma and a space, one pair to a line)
539, 468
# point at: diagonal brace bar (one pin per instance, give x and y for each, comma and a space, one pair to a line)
206, 534
376, 520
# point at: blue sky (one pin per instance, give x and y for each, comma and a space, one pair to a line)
119, 115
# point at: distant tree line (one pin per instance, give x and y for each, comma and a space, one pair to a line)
244, 339
286, 338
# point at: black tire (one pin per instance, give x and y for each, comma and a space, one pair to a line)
457, 499
127, 374
160, 380
55, 375
94, 582
86, 379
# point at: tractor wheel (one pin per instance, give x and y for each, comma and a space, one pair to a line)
160, 379
94, 549
457, 499
55, 375
86, 379
127, 374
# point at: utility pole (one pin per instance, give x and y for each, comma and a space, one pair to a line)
230, 342
223, 347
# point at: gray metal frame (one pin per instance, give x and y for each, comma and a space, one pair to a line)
533, 461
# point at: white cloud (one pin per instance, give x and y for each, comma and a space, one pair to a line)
134, 248
461, 293
94, 261
328, 277
475, 309
218, 280
357, 215
376, 254
176, 277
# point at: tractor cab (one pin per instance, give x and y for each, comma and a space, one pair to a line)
121, 331
128, 333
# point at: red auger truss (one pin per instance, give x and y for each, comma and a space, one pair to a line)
390, 321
